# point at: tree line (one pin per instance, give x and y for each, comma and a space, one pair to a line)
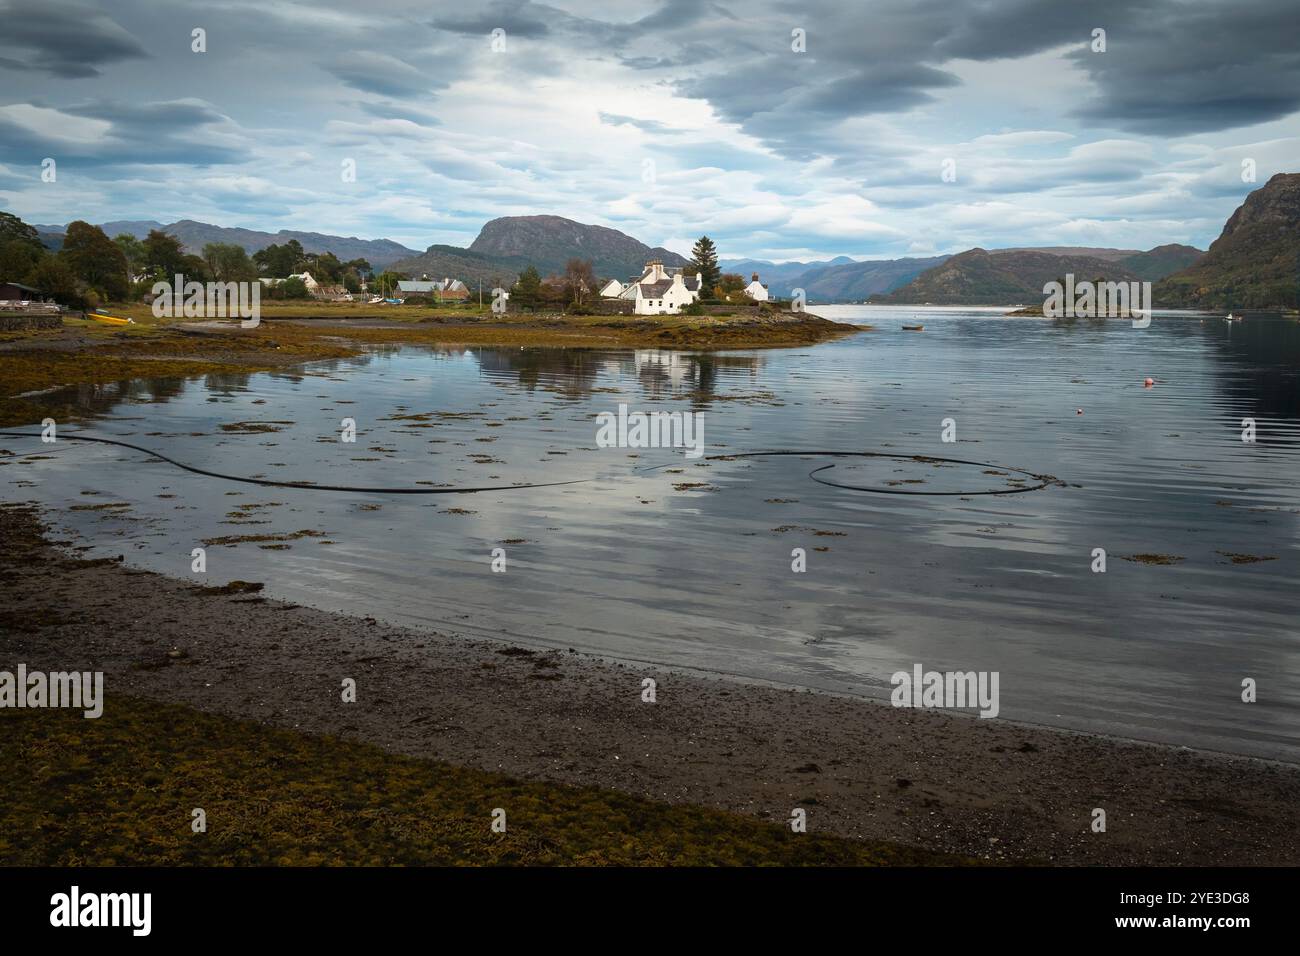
91, 269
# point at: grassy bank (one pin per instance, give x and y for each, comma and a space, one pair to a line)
120, 790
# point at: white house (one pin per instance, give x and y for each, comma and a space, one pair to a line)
659, 293
312, 285
612, 290
756, 290
445, 289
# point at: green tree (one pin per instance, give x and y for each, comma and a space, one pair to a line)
164, 254
17, 259
704, 260
14, 229
294, 288
277, 262
96, 260
53, 277
527, 290
731, 282
228, 262
133, 249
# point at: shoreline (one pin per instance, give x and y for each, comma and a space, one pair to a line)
984, 789
35, 363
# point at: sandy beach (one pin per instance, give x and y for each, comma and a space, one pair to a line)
986, 789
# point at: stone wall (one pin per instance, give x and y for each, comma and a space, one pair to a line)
11, 322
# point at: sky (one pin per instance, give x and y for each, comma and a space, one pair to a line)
785, 131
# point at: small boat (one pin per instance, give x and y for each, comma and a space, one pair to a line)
913, 328
101, 316
1233, 318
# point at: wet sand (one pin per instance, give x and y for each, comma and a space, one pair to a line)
982, 788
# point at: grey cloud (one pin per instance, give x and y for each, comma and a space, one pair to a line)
381, 73
69, 40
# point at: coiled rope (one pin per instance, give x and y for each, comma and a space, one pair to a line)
1043, 481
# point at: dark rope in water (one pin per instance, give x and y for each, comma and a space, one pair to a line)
271, 483
1044, 480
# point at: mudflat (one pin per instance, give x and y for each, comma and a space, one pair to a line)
986, 789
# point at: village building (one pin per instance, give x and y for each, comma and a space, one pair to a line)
612, 289
312, 285
659, 292
756, 290
446, 290
17, 293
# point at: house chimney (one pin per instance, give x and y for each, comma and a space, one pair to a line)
754, 277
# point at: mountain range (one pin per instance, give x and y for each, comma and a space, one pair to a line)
1255, 262
1012, 276
195, 235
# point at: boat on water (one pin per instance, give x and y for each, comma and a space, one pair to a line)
913, 328
1233, 318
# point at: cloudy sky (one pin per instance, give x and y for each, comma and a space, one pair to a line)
662, 118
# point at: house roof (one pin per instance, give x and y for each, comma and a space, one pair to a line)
653, 290
428, 285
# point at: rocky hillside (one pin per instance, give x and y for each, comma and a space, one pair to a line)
548, 242
981, 277
1255, 262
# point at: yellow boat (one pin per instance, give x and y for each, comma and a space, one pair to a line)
109, 319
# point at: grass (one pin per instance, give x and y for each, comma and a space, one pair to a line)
120, 790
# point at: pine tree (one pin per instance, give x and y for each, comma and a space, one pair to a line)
704, 260
528, 289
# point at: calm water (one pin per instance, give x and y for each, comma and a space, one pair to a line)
690, 564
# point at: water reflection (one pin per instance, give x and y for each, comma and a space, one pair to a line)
691, 564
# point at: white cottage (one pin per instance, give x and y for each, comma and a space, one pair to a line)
658, 292
612, 289
756, 290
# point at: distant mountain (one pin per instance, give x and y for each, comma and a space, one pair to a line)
1255, 262
981, 277
195, 235
1091, 252
779, 277
1012, 276
833, 280
1161, 261
855, 281
549, 242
